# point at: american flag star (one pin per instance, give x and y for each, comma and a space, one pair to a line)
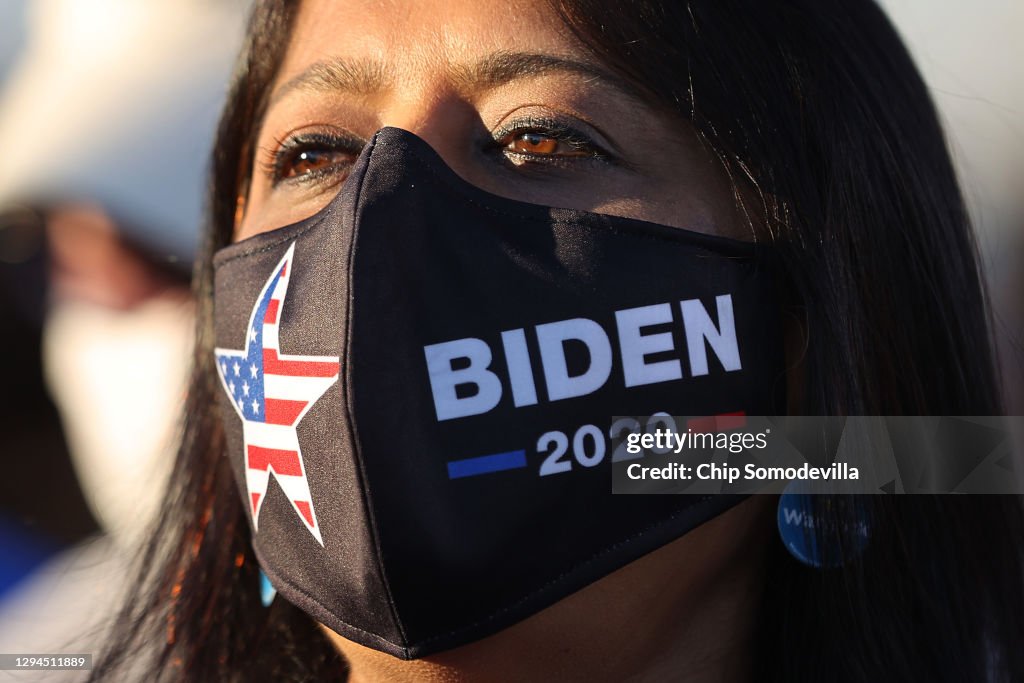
271, 392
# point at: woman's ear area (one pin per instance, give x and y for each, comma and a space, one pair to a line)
240, 203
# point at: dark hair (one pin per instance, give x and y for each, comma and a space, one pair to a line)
815, 109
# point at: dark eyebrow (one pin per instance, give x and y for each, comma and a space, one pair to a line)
358, 77
368, 77
502, 67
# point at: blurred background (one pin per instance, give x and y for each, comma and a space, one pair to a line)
107, 112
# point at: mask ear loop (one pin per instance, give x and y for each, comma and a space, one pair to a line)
267, 591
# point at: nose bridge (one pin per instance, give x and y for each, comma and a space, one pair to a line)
430, 103
443, 119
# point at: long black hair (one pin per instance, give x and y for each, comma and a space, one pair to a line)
817, 113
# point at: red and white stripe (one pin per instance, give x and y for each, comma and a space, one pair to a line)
292, 384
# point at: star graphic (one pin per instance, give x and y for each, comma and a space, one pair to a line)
280, 391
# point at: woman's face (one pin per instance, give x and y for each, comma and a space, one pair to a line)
500, 90
515, 106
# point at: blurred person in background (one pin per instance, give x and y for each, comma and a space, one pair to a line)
106, 113
814, 136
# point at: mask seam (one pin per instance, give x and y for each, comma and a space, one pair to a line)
350, 402
754, 248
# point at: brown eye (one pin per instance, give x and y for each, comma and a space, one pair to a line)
309, 161
312, 157
533, 143
533, 140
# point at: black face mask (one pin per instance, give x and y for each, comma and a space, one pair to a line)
419, 383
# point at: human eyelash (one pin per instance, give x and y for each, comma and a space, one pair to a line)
556, 128
275, 159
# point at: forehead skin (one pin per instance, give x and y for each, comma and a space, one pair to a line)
421, 66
